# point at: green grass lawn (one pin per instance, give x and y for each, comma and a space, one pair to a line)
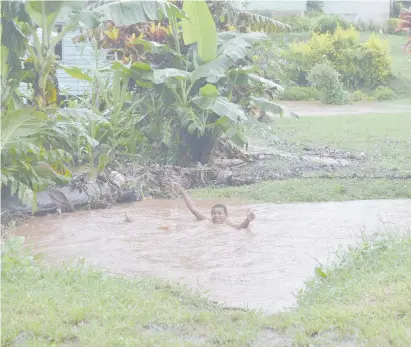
311, 190
384, 138
363, 300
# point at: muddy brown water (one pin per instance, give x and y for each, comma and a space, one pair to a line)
260, 268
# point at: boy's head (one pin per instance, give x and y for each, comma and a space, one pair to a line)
219, 214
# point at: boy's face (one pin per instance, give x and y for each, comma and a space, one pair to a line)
218, 216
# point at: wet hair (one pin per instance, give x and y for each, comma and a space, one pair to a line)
224, 207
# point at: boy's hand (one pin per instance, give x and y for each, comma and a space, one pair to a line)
250, 215
177, 187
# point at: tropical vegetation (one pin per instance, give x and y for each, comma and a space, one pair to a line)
179, 83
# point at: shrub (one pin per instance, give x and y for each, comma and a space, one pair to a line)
384, 93
358, 95
300, 24
375, 61
329, 24
392, 23
326, 79
360, 65
300, 94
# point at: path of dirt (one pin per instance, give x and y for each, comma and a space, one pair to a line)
316, 108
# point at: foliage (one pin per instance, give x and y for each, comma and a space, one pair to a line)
326, 79
201, 31
14, 259
206, 99
300, 94
405, 25
396, 7
28, 161
227, 16
27, 166
358, 95
315, 7
329, 24
203, 94
127, 13
384, 93
37, 30
392, 24
300, 24
266, 56
375, 61
174, 88
359, 64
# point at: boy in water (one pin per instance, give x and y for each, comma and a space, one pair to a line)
219, 214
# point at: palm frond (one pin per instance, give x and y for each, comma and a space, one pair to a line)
234, 16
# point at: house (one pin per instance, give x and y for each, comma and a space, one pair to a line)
82, 56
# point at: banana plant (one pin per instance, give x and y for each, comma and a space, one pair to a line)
200, 104
26, 165
37, 34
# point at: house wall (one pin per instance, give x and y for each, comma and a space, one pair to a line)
80, 55
376, 11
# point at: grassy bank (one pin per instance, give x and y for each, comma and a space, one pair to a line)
384, 139
363, 300
76, 305
312, 190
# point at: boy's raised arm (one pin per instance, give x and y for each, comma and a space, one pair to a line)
190, 203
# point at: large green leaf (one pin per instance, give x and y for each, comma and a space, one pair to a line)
268, 106
44, 13
213, 70
236, 17
163, 75
255, 80
20, 123
133, 12
221, 106
80, 113
141, 73
209, 90
234, 49
200, 28
76, 72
